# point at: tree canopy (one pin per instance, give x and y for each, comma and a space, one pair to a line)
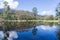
58, 10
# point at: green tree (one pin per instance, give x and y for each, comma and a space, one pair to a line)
5, 9
49, 17
6, 17
34, 10
58, 10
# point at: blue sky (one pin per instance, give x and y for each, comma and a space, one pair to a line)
45, 7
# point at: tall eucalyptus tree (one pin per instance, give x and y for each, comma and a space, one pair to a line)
5, 16
58, 12
34, 10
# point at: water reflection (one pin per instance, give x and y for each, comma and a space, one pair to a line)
12, 35
48, 27
58, 31
1, 35
23, 25
33, 31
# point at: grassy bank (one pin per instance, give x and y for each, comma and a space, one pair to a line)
30, 20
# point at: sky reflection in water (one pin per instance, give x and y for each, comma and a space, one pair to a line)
41, 32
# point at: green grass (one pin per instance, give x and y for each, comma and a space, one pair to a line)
32, 20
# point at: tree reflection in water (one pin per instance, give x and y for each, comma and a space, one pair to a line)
34, 30
58, 32
23, 27
47, 23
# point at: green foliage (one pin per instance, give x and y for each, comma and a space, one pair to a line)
49, 17
58, 10
34, 10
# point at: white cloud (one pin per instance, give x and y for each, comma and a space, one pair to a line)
49, 12
1, 5
13, 4
9, 0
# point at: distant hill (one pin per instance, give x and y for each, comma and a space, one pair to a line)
10, 11
21, 14
1, 10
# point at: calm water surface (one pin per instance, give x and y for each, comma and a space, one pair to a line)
41, 32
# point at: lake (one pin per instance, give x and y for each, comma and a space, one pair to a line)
37, 32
